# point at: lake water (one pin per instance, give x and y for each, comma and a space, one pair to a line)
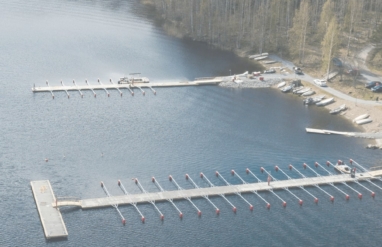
178, 131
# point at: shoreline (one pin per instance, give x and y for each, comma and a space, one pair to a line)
354, 109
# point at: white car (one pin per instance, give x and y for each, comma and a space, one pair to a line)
321, 83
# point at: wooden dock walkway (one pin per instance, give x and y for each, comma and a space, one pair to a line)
218, 190
51, 219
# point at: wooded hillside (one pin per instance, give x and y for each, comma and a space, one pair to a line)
298, 29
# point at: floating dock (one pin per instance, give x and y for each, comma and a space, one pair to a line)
328, 132
54, 226
218, 190
51, 219
118, 87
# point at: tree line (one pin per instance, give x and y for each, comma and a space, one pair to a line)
290, 28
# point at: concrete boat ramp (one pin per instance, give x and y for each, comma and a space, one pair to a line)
54, 227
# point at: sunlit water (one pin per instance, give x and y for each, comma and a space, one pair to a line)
178, 131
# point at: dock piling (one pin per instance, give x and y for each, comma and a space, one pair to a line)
107, 92
187, 198
150, 201
221, 195
79, 90
50, 90
133, 203
120, 92
268, 205
237, 193
65, 89
301, 187
113, 205
204, 196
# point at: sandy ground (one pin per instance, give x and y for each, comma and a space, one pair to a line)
354, 110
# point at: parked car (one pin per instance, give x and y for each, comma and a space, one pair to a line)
372, 84
269, 71
298, 70
377, 88
319, 82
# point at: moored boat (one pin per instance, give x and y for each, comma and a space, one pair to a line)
281, 84
363, 116
286, 89
363, 121
338, 109
134, 78
342, 168
304, 90
308, 101
296, 89
308, 93
325, 102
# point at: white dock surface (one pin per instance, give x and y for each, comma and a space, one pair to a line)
105, 85
218, 190
51, 219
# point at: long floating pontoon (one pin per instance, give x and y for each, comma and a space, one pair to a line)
118, 87
53, 224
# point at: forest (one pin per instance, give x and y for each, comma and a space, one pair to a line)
309, 32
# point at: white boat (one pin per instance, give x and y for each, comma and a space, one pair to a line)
325, 102
286, 89
318, 98
281, 84
243, 75
260, 58
258, 55
338, 109
304, 90
308, 93
296, 89
134, 78
363, 116
238, 81
363, 121
342, 168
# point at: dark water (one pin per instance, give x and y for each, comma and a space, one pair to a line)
181, 130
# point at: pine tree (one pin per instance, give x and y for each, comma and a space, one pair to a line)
326, 16
298, 32
329, 45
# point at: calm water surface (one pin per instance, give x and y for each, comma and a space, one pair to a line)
178, 131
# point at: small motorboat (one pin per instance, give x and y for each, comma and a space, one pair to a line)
243, 75
238, 81
286, 89
338, 109
308, 93
342, 168
363, 121
318, 98
304, 90
325, 102
296, 89
308, 101
281, 84
363, 116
